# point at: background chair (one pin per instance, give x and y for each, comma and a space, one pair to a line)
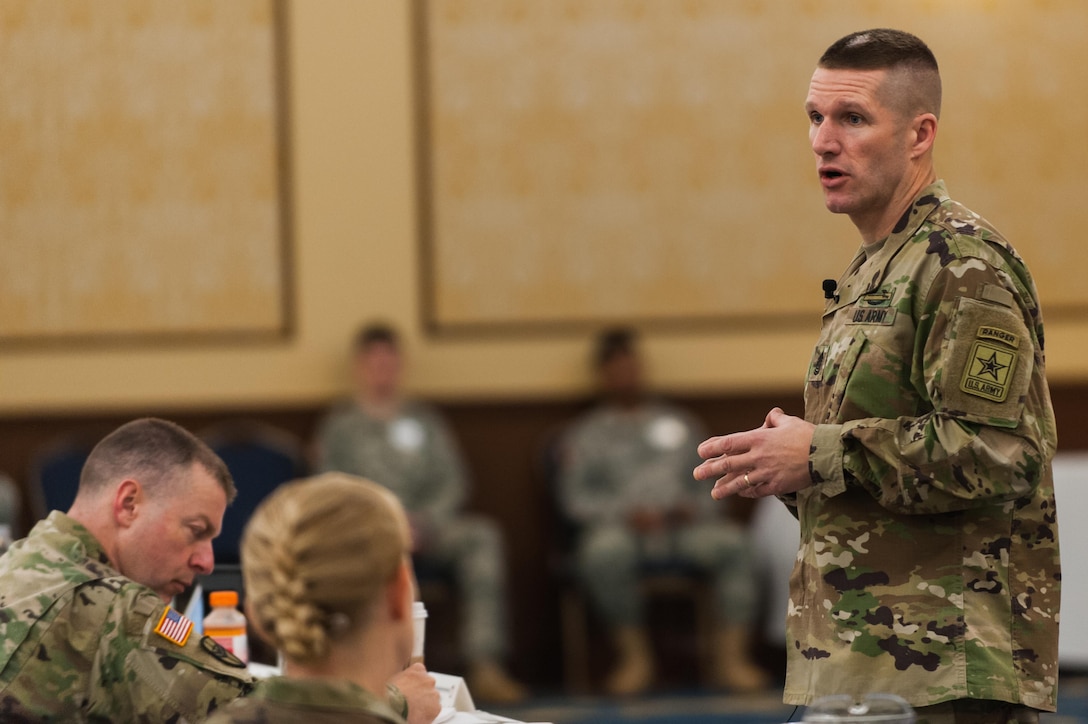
260, 458
10, 511
54, 473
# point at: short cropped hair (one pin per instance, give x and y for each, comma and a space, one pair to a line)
612, 343
152, 451
893, 50
375, 333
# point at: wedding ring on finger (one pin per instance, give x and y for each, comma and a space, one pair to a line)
747, 482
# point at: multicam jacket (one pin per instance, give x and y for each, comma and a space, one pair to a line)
79, 642
929, 563
415, 455
617, 460
314, 701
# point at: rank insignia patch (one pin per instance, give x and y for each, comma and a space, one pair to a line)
988, 371
174, 627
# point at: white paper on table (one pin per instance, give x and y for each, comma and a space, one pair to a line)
453, 692
473, 717
263, 671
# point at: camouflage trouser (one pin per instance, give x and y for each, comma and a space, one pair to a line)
609, 559
471, 547
973, 711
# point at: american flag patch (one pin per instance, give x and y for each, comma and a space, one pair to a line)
174, 627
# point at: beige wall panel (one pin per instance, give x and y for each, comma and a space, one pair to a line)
353, 153
140, 192
592, 160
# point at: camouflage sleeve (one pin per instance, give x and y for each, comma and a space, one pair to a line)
447, 479
397, 701
152, 668
586, 490
697, 492
332, 446
976, 370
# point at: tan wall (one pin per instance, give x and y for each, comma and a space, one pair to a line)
356, 253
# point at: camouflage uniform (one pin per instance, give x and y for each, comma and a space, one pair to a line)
314, 701
79, 641
616, 461
416, 457
928, 565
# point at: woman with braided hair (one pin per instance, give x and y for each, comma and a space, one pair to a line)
328, 577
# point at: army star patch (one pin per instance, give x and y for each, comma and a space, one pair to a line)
174, 627
988, 370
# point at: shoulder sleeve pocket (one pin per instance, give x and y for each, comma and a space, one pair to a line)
988, 363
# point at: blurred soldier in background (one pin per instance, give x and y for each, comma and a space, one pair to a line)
407, 447
625, 481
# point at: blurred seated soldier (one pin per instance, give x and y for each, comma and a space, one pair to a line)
329, 583
406, 446
625, 480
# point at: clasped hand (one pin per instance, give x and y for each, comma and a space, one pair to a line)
769, 460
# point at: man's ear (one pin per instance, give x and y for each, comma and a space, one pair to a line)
924, 129
400, 593
127, 501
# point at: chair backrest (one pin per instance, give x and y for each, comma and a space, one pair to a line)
54, 473
10, 511
10, 501
260, 458
548, 460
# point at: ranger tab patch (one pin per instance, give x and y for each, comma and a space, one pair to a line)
990, 365
174, 627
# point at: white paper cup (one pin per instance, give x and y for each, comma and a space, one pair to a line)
419, 619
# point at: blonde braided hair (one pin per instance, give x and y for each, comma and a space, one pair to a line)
316, 555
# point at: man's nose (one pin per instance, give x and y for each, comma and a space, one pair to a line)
824, 139
203, 559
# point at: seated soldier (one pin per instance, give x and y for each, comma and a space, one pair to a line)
625, 480
328, 574
86, 629
406, 446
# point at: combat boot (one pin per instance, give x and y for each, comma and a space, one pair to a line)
734, 668
634, 670
489, 682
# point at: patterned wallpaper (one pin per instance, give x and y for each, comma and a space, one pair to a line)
141, 184
594, 160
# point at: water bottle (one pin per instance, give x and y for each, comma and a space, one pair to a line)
226, 624
873, 708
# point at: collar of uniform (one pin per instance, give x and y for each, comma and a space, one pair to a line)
337, 694
925, 203
867, 270
83, 543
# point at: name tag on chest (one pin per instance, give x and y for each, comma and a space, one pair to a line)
884, 316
